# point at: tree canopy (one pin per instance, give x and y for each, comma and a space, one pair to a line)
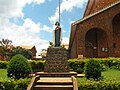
19, 50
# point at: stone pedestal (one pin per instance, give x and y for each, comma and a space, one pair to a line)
56, 60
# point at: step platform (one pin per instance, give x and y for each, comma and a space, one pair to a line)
54, 83
55, 74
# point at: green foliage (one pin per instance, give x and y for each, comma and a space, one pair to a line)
51, 44
99, 85
3, 64
3, 74
93, 69
77, 65
105, 63
74, 64
37, 65
11, 84
113, 63
18, 67
19, 50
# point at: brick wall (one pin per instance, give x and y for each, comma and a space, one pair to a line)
102, 21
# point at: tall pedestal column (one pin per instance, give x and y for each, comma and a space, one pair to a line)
56, 60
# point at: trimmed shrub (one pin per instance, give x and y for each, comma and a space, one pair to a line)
11, 84
74, 64
93, 69
37, 65
3, 64
18, 67
77, 65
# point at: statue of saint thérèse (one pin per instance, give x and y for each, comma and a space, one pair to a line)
57, 35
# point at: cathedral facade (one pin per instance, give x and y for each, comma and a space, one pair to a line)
97, 34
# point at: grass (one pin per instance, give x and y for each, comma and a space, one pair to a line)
108, 75
111, 74
3, 74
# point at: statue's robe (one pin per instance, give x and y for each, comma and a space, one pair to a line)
57, 36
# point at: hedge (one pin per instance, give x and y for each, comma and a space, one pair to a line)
3, 64
74, 64
99, 85
22, 84
77, 65
11, 84
37, 65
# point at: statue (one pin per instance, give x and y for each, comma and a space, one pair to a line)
57, 33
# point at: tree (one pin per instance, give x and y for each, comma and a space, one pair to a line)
6, 43
19, 50
5, 49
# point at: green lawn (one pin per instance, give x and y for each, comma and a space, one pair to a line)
111, 75
3, 74
108, 75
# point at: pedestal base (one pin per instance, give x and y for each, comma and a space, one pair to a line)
56, 60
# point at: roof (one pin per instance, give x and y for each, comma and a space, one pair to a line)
96, 5
89, 7
96, 13
27, 47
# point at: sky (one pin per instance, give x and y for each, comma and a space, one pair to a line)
31, 22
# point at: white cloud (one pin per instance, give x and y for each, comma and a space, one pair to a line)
65, 40
38, 1
46, 28
66, 5
26, 34
31, 26
29, 32
13, 8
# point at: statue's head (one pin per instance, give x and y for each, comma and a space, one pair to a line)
57, 24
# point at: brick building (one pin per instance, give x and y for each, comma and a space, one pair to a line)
32, 49
97, 34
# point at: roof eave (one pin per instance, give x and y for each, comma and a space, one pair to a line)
96, 13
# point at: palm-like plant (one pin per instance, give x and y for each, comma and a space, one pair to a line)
5, 43
5, 48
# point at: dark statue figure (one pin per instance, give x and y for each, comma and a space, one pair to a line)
57, 33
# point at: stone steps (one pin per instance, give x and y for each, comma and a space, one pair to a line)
53, 87
56, 75
51, 83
